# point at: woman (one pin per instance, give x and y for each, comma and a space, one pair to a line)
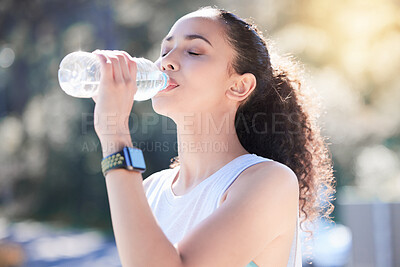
250, 157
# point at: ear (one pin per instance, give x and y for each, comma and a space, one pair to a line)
242, 87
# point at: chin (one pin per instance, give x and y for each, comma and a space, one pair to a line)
171, 108
163, 105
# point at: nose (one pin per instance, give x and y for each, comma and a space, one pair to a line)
169, 62
168, 66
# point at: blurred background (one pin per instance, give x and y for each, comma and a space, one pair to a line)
53, 201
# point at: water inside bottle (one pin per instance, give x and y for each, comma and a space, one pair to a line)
79, 76
78, 79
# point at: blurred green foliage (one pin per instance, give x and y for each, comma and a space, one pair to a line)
50, 155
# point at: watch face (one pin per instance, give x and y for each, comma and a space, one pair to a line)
135, 158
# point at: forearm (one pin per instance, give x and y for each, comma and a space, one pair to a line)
140, 240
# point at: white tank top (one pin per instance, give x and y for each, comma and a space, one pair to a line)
177, 215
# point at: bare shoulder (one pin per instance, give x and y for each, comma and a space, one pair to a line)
276, 172
268, 182
266, 175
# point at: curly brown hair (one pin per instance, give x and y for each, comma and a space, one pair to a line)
279, 119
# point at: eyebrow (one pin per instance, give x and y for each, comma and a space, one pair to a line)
188, 37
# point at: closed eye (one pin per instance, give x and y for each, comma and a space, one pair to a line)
190, 53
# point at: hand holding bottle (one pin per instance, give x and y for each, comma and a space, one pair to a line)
115, 96
113, 79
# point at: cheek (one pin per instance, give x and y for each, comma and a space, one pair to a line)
208, 95
203, 90
210, 78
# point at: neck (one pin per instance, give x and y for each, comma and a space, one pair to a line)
206, 142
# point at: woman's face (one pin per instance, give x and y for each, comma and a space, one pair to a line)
196, 56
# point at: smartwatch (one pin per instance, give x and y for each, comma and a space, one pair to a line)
130, 158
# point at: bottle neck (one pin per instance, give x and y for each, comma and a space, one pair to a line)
165, 78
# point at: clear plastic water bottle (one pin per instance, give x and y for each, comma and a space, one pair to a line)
79, 76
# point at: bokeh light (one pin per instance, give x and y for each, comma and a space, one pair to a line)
7, 57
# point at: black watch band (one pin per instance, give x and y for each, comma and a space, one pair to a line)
130, 158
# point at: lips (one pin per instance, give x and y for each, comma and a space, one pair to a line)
170, 85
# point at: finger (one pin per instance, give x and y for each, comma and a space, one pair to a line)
131, 65
127, 55
117, 72
94, 98
106, 66
124, 67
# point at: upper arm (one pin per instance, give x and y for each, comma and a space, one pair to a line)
255, 213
